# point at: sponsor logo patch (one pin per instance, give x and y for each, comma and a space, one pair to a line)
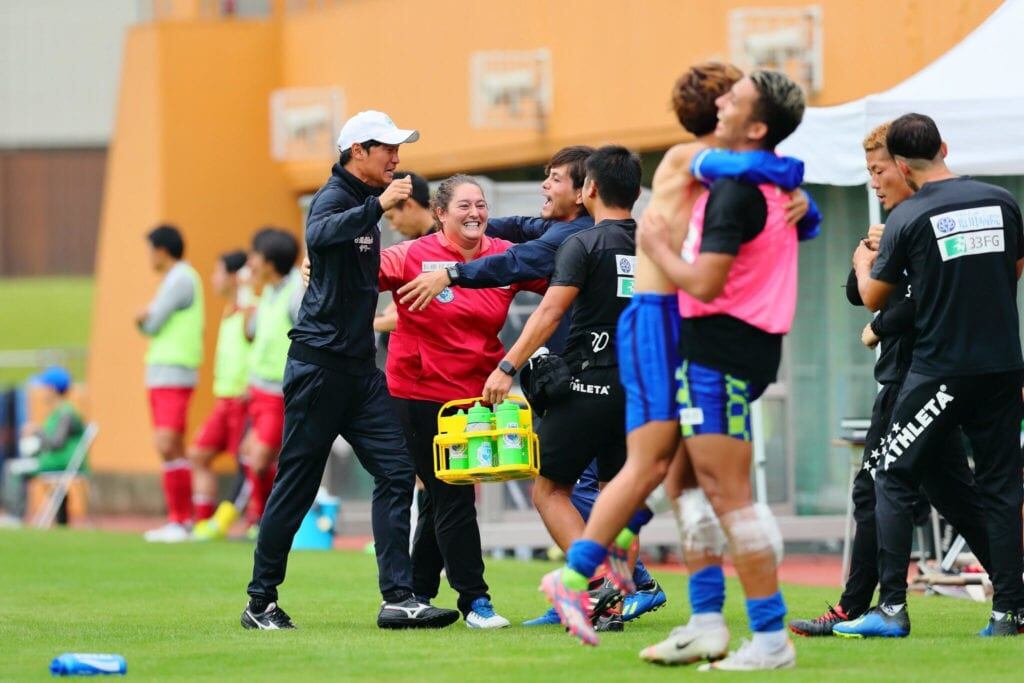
967, 220
625, 288
625, 265
971, 243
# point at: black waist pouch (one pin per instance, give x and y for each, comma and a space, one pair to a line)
545, 381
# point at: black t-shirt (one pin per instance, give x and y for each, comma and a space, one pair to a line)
894, 325
735, 214
959, 241
601, 262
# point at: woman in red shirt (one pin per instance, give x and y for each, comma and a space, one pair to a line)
438, 354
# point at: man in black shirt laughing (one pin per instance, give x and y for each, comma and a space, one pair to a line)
961, 245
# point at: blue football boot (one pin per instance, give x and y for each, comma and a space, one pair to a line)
549, 618
646, 599
875, 624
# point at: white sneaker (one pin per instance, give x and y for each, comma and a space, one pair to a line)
752, 658
484, 616
689, 643
172, 532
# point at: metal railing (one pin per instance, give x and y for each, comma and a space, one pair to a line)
17, 365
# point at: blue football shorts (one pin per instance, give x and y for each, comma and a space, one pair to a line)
714, 402
648, 348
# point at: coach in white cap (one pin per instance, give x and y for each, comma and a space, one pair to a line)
373, 127
332, 385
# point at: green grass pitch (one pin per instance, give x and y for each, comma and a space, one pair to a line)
173, 611
45, 313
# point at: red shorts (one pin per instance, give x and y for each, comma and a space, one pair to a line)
223, 430
169, 407
267, 414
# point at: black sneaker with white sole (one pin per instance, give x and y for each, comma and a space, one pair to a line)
411, 613
603, 599
609, 623
273, 618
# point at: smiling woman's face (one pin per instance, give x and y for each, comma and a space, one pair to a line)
464, 220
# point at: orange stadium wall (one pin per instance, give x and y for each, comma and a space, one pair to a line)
190, 147
613, 64
191, 143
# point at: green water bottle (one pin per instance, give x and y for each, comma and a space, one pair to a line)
458, 457
511, 448
481, 448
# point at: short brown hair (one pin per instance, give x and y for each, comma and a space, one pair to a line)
876, 138
575, 157
695, 92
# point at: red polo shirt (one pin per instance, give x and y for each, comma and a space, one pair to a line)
447, 350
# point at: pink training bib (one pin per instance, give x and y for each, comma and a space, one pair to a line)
761, 287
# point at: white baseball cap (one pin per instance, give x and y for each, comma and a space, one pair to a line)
373, 125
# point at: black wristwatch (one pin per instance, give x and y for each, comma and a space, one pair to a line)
453, 273
507, 368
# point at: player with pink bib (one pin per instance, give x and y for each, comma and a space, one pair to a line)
737, 277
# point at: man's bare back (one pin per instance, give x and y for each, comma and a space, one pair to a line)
673, 195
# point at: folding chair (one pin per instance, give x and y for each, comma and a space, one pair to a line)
48, 512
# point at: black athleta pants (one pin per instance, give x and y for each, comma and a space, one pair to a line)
320, 404
949, 487
447, 535
927, 412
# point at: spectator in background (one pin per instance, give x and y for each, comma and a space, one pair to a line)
174, 323
46, 448
224, 428
272, 261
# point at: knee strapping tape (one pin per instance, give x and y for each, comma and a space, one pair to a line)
754, 530
699, 528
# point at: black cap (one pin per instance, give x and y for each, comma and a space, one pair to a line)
420, 187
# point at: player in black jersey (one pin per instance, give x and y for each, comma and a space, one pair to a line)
951, 485
960, 242
593, 274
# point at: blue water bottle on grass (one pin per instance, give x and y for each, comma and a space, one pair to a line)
79, 664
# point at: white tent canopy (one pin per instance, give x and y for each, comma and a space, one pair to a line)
974, 92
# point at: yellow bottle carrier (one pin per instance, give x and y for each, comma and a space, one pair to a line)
477, 444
